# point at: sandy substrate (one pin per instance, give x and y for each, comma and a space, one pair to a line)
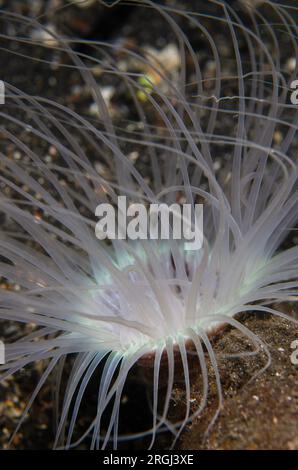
262, 414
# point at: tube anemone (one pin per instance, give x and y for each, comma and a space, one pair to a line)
203, 138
